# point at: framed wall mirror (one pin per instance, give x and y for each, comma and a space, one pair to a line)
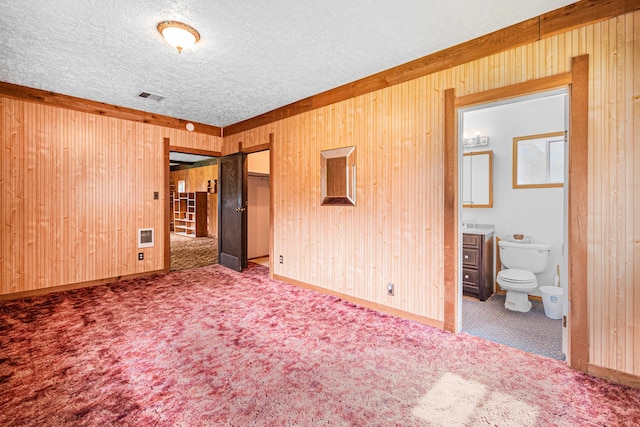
477, 179
538, 160
338, 176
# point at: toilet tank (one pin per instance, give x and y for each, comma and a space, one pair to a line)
525, 256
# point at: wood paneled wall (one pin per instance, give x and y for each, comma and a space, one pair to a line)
75, 187
614, 193
394, 234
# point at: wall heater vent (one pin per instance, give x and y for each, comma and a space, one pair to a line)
145, 237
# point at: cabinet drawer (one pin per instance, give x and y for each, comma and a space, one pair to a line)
470, 290
470, 277
471, 257
471, 240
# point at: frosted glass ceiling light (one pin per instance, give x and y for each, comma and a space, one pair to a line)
179, 35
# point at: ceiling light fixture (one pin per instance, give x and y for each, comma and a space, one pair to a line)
179, 35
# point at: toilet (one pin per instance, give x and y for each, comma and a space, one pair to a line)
521, 261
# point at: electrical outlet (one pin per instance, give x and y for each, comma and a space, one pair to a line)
140, 256
390, 289
156, 195
281, 259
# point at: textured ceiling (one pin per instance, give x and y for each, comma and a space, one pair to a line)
253, 56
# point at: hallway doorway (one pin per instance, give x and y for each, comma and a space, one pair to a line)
193, 218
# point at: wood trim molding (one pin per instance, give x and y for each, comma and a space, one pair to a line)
556, 81
255, 148
614, 376
272, 201
195, 151
451, 240
167, 209
578, 194
53, 99
566, 18
582, 13
79, 285
363, 303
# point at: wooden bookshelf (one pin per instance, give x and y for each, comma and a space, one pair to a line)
190, 214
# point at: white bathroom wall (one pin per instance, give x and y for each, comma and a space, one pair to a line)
537, 212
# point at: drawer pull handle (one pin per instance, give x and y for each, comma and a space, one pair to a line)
466, 257
466, 276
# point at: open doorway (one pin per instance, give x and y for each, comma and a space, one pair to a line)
193, 210
495, 208
258, 198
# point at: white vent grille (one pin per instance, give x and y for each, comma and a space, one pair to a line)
145, 237
151, 96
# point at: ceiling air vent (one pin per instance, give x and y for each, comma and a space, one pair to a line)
152, 96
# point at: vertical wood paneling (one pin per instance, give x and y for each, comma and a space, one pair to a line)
395, 232
632, 51
75, 188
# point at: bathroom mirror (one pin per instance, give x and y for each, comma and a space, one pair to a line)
477, 179
538, 160
338, 176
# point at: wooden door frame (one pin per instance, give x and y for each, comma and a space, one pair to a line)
577, 82
254, 149
168, 148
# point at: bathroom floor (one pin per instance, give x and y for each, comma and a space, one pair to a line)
532, 332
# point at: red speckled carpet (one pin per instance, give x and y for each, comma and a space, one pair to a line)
210, 346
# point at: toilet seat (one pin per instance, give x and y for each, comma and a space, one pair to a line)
517, 280
516, 276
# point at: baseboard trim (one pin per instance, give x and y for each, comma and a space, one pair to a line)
79, 285
363, 303
614, 375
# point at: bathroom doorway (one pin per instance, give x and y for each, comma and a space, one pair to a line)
493, 207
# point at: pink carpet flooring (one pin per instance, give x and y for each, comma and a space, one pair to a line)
210, 346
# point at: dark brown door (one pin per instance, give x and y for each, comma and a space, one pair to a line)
232, 211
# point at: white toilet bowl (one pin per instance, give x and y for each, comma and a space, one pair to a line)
521, 261
518, 284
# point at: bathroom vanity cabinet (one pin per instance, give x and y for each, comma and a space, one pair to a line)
477, 265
